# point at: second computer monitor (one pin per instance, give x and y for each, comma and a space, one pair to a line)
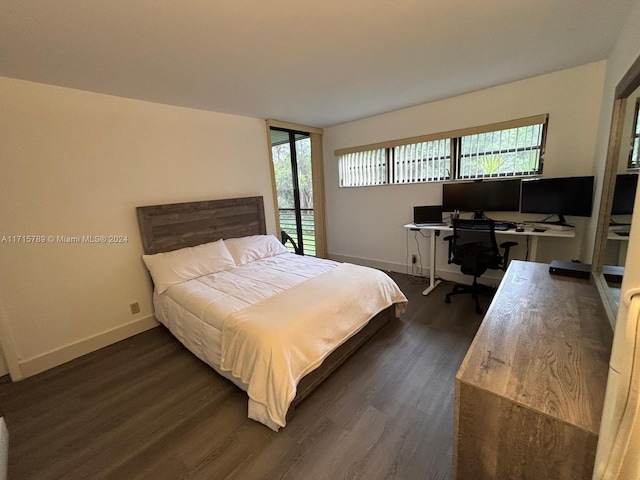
558, 196
482, 196
625, 194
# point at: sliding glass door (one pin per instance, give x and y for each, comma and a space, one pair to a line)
292, 167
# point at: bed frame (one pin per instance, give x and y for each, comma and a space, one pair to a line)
178, 225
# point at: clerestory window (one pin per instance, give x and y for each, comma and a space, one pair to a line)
508, 149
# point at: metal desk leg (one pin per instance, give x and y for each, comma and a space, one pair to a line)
433, 283
534, 248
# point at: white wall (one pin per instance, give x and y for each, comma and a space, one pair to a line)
365, 224
78, 163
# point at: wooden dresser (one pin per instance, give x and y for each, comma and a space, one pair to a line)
530, 390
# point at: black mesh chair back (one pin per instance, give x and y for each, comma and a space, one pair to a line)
474, 247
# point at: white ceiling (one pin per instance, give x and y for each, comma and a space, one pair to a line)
317, 63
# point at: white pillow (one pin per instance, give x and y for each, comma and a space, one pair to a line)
170, 268
255, 247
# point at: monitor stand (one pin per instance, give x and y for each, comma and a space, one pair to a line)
561, 221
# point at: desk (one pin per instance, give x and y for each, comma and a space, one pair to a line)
622, 243
528, 232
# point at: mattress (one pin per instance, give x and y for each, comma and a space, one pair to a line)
235, 321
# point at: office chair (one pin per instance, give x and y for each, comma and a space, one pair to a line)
473, 246
287, 238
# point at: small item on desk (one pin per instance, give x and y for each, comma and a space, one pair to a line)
570, 269
538, 230
613, 273
551, 226
519, 229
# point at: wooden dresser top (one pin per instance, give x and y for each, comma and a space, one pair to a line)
545, 344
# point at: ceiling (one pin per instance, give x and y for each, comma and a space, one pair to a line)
316, 63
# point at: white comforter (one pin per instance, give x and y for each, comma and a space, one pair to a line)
279, 321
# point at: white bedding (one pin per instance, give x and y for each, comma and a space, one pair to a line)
250, 298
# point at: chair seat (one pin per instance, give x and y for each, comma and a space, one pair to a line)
475, 258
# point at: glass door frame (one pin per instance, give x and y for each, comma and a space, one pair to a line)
315, 135
295, 180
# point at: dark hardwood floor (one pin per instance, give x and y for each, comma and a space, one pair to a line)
146, 408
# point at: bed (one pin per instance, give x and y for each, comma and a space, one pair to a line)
274, 323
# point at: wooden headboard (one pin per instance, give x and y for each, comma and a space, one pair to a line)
178, 225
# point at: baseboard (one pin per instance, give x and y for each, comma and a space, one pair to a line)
452, 274
46, 361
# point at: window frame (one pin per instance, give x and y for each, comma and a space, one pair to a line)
635, 137
455, 137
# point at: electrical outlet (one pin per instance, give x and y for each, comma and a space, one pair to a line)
414, 258
135, 308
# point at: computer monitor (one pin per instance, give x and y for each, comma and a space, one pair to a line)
624, 194
482, 196
558, 196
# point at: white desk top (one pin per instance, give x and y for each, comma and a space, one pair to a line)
613, 232
615, 236
528, 231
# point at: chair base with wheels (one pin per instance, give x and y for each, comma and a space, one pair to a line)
473, 246
474, 289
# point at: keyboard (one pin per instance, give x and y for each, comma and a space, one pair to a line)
498, 226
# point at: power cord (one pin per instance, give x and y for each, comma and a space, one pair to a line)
415, 276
